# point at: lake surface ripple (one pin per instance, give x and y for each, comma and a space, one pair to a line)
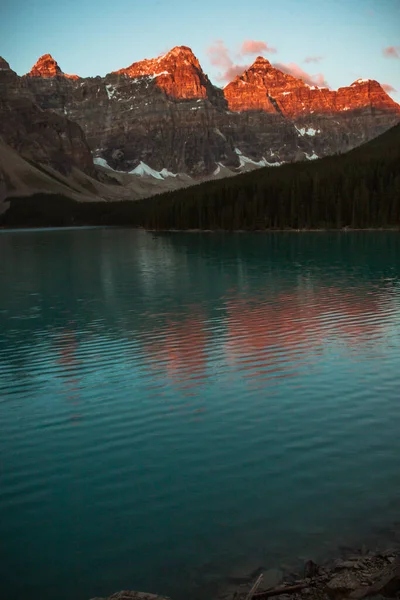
178, 409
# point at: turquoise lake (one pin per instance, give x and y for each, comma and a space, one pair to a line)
177, 410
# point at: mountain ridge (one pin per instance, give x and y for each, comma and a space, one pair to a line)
46, 66
166, 114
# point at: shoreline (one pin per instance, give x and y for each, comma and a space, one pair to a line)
353, 575
288, 230
16, 229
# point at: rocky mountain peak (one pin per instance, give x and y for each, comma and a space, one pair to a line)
182, 52
178, 73
9, 81
365, 93
364, 81
47, 67
258, 85
263, 73
261, 62
4, 66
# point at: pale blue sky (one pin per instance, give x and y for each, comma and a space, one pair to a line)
93, 37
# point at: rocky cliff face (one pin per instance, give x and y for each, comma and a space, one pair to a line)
39, 135
166, 113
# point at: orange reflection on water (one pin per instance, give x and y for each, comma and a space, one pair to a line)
271, 335
180, 350
66, 346
267, 337
275, 338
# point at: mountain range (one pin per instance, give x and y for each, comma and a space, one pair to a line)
160, 124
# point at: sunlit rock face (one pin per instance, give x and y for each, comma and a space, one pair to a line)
165, 113
178, 74
47, 67
263, 87
365, 93
362, 94
257, 87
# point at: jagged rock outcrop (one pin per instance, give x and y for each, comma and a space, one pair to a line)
131, 595
165, 113
38, 135
47, 67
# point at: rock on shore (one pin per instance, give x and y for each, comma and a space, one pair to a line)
365, 575
130, 595
369, 575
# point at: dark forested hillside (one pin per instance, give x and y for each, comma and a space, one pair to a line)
358, 189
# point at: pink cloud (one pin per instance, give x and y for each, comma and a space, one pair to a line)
219, 57
389, 88
313, 59
254, 47
391, 52
293, 69
219, 54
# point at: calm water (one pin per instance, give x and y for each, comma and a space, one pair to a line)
176, 409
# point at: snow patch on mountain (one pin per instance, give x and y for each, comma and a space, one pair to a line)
245, 160
309, 131
218, 169
111, 91
102, 163
165, 173
143, 170
155, 75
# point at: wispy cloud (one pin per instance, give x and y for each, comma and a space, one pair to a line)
220, 57
255, 47
294, 69
313, 59
391, 52
389, 88
219, 54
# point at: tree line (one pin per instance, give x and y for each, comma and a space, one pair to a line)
360, 189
